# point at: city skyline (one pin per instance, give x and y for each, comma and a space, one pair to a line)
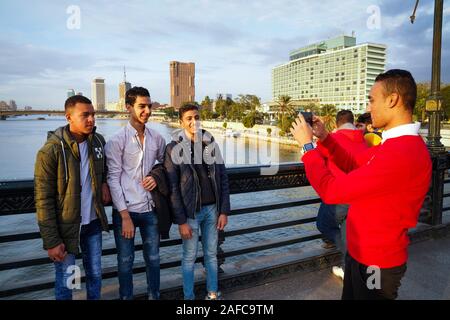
234, 45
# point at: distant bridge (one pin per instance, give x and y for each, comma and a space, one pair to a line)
4, 114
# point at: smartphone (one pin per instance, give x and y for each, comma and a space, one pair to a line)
308, 117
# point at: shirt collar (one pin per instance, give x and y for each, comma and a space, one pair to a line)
410, 129
131, 129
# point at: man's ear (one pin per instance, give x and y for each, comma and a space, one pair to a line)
68, 116
394, 99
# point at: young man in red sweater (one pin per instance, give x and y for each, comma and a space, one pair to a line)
385, 186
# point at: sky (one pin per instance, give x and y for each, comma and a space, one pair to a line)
48, 47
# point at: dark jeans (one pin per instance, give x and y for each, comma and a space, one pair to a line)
148, 226
91, 251
358, 286
326, 222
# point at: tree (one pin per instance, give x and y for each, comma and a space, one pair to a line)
206, 103
284, 109
423, 90
249, 101
328, 115
205, 114
249, 120
225, 125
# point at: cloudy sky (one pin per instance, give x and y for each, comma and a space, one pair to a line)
45, 49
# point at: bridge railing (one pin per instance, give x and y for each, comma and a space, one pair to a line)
17, 198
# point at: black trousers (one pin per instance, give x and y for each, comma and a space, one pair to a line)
361, 283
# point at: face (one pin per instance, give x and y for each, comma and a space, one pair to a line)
81, 118
379, 106
361, 126
141, 110
191, 121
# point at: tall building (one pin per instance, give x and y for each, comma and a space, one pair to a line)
98, 94
335, 71
70, 93
182, 83
224, 96
123, 88
12, 105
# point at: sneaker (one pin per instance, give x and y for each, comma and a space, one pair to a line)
214, 296
338, 272
328, 245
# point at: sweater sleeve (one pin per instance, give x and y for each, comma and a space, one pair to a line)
373, 179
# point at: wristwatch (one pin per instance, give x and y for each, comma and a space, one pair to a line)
307, 147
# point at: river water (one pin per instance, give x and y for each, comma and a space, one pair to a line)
21, 138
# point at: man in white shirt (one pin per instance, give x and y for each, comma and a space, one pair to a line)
131, 155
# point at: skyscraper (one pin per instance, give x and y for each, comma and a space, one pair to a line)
70, 93
123, 88
335, 71
182, 83
98, 94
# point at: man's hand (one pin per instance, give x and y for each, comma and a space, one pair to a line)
222, 221
185, 231
106, 194
57, 253
127, 225
149, 183
302, 131
319, 128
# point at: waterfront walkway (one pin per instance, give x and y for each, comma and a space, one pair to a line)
427, 277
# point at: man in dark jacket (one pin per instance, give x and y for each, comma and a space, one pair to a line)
200, 196
70, 190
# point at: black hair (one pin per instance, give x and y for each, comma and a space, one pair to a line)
133, 93
187, 107
344, 116
73, 100
365, 118
400, 82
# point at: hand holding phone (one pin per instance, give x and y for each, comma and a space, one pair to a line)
308, 117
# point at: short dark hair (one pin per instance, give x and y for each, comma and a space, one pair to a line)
73, 100
133, 93
365, 118
344, 116
400, 82
187, 107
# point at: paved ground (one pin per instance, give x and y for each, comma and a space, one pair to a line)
427, 277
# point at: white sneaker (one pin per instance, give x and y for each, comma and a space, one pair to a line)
338, 272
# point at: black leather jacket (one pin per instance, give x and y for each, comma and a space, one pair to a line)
183, 179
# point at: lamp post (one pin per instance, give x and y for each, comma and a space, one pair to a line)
434, 110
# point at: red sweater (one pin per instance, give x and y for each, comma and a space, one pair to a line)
385, 187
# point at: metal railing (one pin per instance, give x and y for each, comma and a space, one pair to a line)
17, 198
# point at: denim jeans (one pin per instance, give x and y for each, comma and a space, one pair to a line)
206, 222
91, 252
326, 222
148, 226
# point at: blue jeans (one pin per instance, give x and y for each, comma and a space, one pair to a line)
91, 252
148, 226
326, 222
206, 222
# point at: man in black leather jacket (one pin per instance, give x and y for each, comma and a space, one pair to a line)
199, 196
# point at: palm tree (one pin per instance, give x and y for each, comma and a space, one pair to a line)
328, 113
284, 108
